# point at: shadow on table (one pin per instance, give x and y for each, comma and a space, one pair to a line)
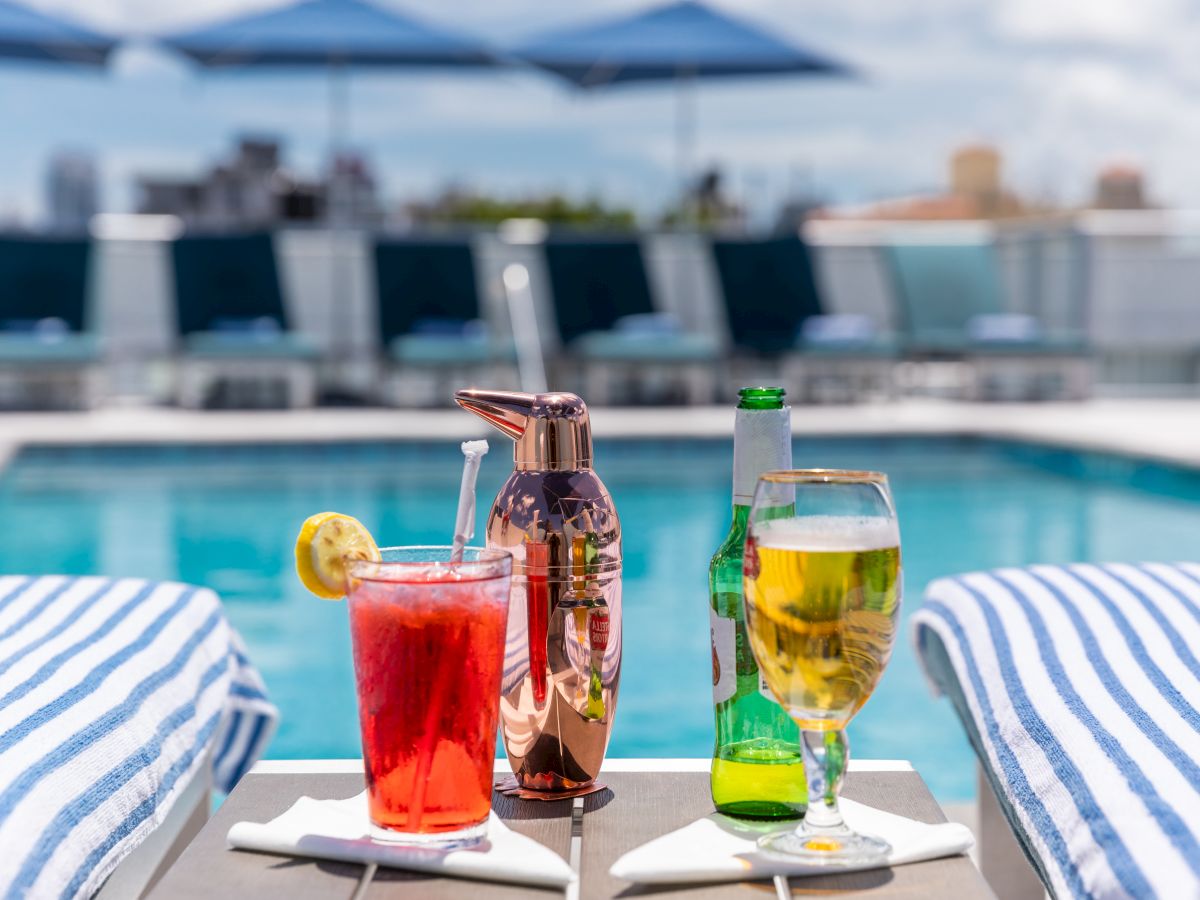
328, 866
400, 876
598, 800
512, 809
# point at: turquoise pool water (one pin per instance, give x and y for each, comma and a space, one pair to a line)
226, 517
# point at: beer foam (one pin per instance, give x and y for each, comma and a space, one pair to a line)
833, 534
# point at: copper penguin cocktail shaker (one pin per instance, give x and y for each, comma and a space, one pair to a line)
563, 653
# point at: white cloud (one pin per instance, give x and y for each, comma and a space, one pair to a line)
1120, 22
1092, 113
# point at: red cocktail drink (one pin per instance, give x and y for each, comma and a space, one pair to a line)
428, 639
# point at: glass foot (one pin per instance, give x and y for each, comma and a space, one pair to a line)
826, 848
471, 836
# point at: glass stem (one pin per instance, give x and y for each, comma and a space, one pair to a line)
826, 754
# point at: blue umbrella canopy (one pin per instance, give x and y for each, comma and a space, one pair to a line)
681, 40
28, 34
328, 32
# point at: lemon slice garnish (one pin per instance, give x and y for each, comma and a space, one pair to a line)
327, 543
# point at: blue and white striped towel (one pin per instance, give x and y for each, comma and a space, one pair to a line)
113, 695
1084, 685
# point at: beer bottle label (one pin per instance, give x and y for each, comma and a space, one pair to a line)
764, 689
724, 656
762, 440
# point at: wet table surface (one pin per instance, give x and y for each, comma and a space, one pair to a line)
637, 806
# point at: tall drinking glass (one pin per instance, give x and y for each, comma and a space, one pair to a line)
823, 585
428, 637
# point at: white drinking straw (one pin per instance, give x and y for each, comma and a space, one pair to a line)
464, 527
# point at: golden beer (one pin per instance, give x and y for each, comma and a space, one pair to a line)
822, 608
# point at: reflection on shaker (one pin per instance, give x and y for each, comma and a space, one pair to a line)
598, 639
590, 617
537, 559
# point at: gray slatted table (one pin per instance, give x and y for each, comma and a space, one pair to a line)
647, 798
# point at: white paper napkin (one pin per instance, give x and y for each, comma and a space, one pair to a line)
339, 829
718, 848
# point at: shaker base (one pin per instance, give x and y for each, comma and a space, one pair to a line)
510, 787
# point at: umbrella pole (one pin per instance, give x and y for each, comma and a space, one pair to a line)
338, 118
686, 263
685, 139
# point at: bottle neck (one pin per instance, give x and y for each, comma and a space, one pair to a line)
762, 441
741, 519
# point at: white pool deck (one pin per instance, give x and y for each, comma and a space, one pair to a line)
1163, 430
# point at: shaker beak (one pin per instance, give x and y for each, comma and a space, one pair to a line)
509, 411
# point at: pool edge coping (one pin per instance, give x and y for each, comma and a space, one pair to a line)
1160, 431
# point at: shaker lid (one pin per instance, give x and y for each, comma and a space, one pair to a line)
551, 431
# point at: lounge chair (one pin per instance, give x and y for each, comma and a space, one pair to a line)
608, 325
1079, 689
48, 355
122, 703
775, 312
949, 297
431, 320
234, 328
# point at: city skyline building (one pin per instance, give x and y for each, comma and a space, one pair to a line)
254, 188
976, 190
72, 190
1120, 186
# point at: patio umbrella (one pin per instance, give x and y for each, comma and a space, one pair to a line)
27, 34
334, 35
680, 43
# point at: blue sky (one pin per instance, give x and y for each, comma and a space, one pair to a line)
1063, 87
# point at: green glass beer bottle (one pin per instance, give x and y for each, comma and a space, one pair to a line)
757, 769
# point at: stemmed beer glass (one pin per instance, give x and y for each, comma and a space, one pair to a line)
823, 586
